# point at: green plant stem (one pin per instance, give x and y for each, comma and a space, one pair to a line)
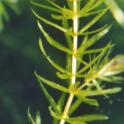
74, 61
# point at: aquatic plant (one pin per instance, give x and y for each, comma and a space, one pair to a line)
87, 70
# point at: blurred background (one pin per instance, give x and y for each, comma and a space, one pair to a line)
20, 56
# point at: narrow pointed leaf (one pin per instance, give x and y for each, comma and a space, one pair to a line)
81, 100
54, 4
92, 13
92, 51
49, 97
46, 7
97, 4
49, 22
90, 101
88, 118
86, 8
38, 119
93, 32
89, 42
52, 84
30, 117
74, 106
65, 14
95, 38
61, 17
54, 114
93, 21
99, 92
61, 101
108, 46
52, 42
65, 24
56, 66
63, 76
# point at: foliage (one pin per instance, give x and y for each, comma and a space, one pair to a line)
87, 70
37, 119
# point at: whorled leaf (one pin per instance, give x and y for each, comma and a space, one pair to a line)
52, 84
79, 119
93, 21
52, 42
46, 7
50, 99
81, 100
97, 92
90, 8
56, 66
99, 56
36, 120
86, 118
89, 42
49, 22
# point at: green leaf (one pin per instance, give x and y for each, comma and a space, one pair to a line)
49, 22
79, 55
61, 101
86, 8
113, 79
93, 21
52, 84
61, 17
81, 100
52, 42
92, 13
54, 114
63, 76
89, 42
54, 4
65, 14
30, 117
93, 51
94, 39
82, 44
97, 4
87, 118
65, 24
46, 7
108, 46
69, 3
99, 92
90, 101
37, 119
75, 105
49, 97
56, 66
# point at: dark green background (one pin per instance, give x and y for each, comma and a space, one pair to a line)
20, 56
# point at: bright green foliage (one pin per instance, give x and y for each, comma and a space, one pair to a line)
93, 66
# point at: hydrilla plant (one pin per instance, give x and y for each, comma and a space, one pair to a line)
87, 70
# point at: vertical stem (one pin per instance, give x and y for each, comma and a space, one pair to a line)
74, 61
